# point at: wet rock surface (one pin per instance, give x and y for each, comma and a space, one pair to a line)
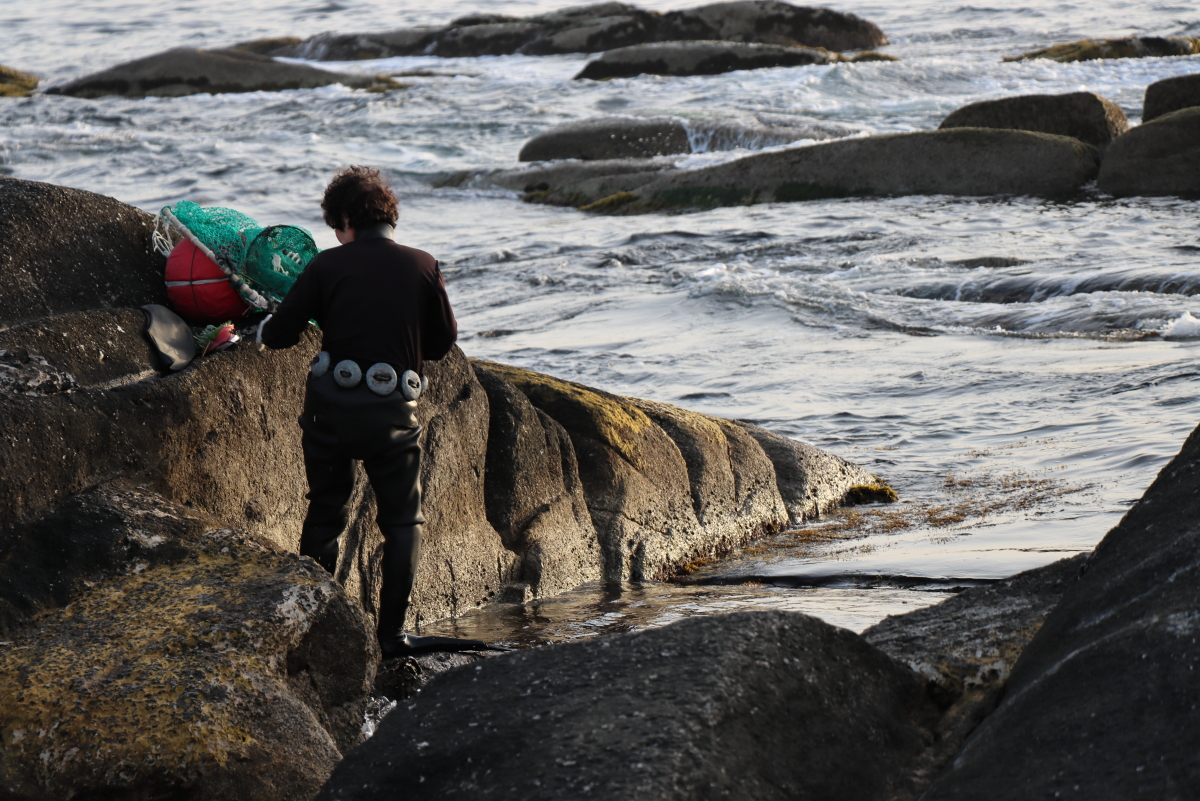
65, 250
956, 161
1103, 703
1171, 94
188, 71
699, 58
1129, 47
810, 481
1160, 157
221, 669
623, 137
672, 713
1085, 116
599, 27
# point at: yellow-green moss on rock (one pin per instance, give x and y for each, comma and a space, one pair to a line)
875, 492
14, 83
606, 418
182, 678
1129, 47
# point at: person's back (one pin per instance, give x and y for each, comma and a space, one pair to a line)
382, 309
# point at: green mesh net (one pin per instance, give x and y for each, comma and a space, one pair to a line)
262, 263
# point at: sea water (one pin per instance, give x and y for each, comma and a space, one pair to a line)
1018, 369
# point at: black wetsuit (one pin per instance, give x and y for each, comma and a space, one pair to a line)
375, 301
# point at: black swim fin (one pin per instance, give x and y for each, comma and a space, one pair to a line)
170, 336
412, 645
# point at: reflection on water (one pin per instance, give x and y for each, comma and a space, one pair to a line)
595, 609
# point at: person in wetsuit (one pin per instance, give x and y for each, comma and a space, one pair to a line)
382, 310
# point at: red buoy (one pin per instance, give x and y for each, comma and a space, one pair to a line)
197, 288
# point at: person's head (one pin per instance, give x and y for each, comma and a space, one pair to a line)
359, 197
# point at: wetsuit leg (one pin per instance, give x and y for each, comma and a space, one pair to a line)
395, 475
330, 483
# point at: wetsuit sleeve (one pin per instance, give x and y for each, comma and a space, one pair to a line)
439, 328
303, 303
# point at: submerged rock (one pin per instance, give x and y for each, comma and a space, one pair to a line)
1104, 702
699, 58
14, 83
599, 27
188, 71
958, 161
1171, 94
219, 669
1086, 116
763, 705
1160, 157
621, 137
65, 250
1129, 47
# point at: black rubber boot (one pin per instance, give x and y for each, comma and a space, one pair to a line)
401, 552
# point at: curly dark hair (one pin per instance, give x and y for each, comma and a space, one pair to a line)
361, 194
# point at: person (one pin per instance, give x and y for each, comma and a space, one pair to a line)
383, 311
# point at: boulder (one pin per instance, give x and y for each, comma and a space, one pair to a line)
773, 22
1085, 116
621, 137
957, 161
64, 250
1129, 47
763, 705
967, 645
188, 71
1171, 94
810, 481
14, 83
699, 58
648, 486
214, 667
1160, 157
599, 27
533, 493
1104, 702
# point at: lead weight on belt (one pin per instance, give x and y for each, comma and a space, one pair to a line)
381, 378
410, 385
320, 364
347, 374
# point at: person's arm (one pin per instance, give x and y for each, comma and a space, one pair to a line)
439, 329
303, 303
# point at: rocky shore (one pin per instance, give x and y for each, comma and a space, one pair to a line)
129, 477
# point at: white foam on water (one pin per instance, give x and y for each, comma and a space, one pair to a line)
1184, 327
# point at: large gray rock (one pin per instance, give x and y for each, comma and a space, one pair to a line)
1129, 47
210, 667
598, 27
957, 161
1085, 116
1160, 157
533, 493
65, 250
699, 58
647, 486
762, 705
188, 71
1104, 702
773, 22
967, 645
1171, 94
622, 137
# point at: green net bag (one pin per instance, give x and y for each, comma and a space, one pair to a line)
262, 263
